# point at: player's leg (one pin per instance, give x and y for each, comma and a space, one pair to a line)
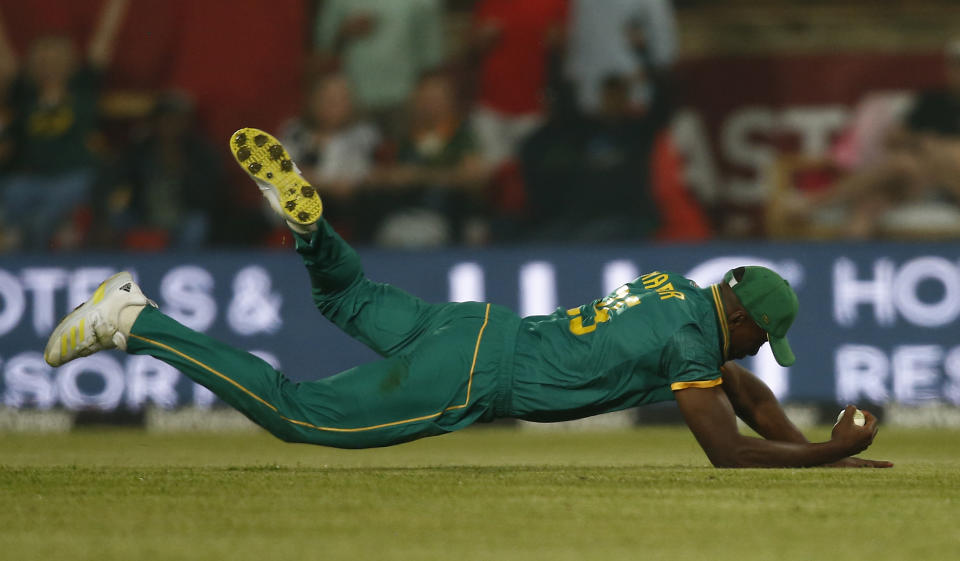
385, 318
396, 400
118, 315
383, 403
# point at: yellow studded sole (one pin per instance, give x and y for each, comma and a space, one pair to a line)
263, 157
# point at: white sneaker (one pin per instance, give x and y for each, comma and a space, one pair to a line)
280, 181
102, 322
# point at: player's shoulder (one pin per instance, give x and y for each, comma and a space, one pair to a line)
667, 283
681, 298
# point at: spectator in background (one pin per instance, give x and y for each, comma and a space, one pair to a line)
919, 166
588, 177
514, 39
384, 46
619, 38
551, 162
433, 194
165, 184
335, 150
49, 145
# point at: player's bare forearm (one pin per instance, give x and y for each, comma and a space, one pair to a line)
758, 452
710, 416
753, 402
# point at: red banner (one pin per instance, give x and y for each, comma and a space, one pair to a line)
741, 111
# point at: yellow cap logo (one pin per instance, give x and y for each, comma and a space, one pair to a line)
765, 318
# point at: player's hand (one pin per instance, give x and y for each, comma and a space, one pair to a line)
855, 439
853, 462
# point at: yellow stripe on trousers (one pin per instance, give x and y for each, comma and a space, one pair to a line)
476, 350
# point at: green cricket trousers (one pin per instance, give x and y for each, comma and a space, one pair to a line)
444, 367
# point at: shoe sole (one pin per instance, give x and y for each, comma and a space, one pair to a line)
68, 334
264, 158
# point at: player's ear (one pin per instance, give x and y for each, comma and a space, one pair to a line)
736, 318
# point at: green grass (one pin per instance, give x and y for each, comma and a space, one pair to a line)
482, 494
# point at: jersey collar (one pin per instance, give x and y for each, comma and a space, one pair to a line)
721, 318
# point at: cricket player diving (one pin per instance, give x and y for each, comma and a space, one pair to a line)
446, 366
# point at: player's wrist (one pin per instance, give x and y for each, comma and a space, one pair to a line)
842, 447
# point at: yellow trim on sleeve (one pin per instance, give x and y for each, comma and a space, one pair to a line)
476, 350
698, 384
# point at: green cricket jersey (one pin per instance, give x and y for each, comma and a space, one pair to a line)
449, 365
649, 337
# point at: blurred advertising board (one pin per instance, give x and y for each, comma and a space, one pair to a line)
878, 322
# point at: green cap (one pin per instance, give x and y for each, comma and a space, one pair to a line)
771, 303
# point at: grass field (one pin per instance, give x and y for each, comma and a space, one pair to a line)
494, 494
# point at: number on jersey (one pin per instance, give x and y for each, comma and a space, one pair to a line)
620, 300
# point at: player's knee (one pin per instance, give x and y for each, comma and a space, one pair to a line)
298, 435
290, 437
348, 441
284, 432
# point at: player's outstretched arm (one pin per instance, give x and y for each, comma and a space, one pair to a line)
753, 402
710, 416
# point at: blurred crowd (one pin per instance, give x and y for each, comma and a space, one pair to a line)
893, 173
534, 121
540, 126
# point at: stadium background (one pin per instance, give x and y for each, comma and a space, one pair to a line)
759, 86
766, 96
